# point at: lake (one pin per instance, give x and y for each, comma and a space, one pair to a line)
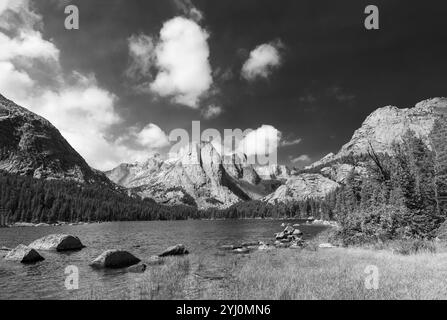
46, 280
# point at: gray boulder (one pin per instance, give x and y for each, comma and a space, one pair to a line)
24, 254
280, 236
154, 261
114, 259
138, 268
57, 242
288, 230
176, 250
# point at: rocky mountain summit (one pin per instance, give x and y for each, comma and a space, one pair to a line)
30, 145
380, 130
199, 176
388, 125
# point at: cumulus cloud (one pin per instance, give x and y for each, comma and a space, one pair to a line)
189, 10
13, 82
301, 159
77, 105
262, 61
152, 136
292, 142
28, 44
262, 141
212, 112
180, 56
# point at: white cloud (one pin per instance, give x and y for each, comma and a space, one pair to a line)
180, 56
14, 83
301, 159
29, 44
262, 61
212, 112
262, 141
81, 110
152, 136
288, 143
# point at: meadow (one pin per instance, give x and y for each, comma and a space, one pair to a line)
288, 274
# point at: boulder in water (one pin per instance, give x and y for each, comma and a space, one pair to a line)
176, 250
24, 254
114, 259
297, 232
57, 242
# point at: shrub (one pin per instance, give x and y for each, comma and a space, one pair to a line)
372, 225
408, 247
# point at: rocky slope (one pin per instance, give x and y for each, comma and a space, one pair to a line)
302, 187
275, 172
200, 176
32, 146
388, 125
381, 130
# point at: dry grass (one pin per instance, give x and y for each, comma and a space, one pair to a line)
294, 274
340, 274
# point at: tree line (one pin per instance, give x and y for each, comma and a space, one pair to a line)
26, 199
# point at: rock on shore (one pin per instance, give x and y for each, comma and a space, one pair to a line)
57, 242
24, 254
176, 250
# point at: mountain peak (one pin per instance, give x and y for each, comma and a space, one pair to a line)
32, 146
389, 124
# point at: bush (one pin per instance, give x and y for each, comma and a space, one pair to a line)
408, 247
372, 225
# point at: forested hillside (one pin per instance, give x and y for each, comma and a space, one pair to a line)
36, 200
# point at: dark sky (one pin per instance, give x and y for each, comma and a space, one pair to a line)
334, 71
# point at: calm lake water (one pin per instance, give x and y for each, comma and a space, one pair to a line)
46, 279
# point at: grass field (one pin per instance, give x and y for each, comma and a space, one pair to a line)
295, 274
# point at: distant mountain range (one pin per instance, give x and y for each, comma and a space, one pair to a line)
200, 176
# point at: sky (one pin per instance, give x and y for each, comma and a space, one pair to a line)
304, 74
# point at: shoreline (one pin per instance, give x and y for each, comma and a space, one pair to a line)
307, 221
